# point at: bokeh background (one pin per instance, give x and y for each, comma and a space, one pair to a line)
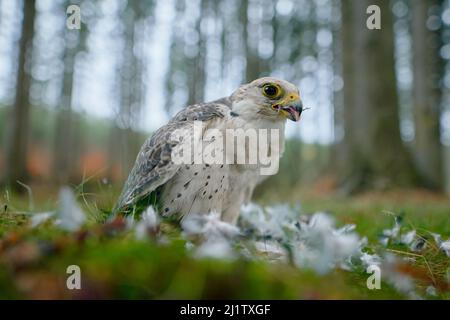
75, 105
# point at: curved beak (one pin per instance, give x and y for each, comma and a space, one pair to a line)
291, 107
293, 111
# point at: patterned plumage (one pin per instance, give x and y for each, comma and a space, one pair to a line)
181, 189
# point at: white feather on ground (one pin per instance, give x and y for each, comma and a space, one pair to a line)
41, 217
70, 214
149, 223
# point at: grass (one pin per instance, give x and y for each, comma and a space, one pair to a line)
114, 264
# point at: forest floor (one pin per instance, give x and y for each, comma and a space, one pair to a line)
115, 263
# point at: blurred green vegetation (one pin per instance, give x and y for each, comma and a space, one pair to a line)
126, 268
33, 262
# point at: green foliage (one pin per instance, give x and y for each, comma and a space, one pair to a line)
115, 264
125, 268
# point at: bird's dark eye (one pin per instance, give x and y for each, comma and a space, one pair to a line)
271, 91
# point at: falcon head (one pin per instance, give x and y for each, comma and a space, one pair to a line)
267, 97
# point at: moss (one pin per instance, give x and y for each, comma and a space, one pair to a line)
116, 265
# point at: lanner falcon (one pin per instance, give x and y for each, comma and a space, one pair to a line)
179, 189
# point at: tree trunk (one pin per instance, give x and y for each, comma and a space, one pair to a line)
66, 149
124, 143
196, 72
18, 130
426, 95
447, 169
63, 155
376, 155
251, 56
342, 38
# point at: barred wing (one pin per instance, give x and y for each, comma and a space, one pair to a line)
154, 166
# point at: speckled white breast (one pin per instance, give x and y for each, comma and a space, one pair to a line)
202, 188
198, 188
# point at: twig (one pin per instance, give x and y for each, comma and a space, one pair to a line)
30, 195
416, 255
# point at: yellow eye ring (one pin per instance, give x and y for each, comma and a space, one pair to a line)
272, 91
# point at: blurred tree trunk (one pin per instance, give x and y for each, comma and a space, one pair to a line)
251, 56
176, 53
348, 70
67, 132
196, 74
447, 170
376, 156
63, 156
124, 142
339, 31
121, 133
63, 145
18, 126
427, 94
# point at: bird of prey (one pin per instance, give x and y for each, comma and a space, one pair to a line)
177, 190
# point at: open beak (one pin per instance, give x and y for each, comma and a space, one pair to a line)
293, 111
291, 108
